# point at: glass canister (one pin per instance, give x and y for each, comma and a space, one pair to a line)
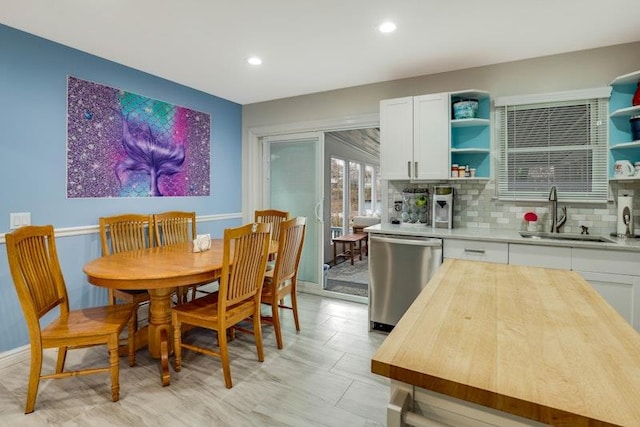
415, 205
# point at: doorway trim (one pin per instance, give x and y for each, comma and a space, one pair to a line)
252, 162
252, 191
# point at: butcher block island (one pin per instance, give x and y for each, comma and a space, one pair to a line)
496, 344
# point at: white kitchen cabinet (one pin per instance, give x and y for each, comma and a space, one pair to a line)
540, 256
476, 250
616, 277
414, 137
396, 138
618, 290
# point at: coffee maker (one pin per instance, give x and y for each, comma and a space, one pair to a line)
442, 207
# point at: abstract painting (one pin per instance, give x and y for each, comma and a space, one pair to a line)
121, 144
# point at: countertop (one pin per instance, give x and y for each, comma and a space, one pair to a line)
535, 342
493, 235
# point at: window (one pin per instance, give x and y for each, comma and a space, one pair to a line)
337, 196
372, 191
355, 187
355, 191
561, 142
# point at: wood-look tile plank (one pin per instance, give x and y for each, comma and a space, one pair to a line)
316, 380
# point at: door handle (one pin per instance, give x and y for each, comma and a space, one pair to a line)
316, 211
409, 169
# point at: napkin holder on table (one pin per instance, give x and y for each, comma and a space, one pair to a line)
202, 243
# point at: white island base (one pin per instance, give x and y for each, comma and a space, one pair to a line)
415, 406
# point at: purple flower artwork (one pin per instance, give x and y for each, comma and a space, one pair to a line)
120, 144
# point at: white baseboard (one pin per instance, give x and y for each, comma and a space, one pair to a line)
315, 289
14, 356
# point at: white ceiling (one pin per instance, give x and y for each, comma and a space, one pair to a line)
317, 45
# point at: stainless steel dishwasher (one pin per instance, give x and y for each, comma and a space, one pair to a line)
399, 268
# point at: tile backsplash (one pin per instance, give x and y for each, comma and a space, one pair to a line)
475, 206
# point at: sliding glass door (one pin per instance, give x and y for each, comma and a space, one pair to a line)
293, 182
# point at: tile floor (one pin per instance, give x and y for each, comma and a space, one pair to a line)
321, 378
349, 279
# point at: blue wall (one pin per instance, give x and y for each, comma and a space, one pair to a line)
33, 83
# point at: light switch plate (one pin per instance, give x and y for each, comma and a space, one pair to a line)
19, 219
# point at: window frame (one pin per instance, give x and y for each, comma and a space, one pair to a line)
596, 189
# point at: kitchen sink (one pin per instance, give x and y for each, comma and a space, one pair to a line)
565, 236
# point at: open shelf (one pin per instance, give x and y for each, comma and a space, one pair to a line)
626, 112
625, 145
622, 145
470, 139
461, 123
626, 79
471, 150
468, 178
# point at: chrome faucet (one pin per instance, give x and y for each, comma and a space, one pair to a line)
555, 222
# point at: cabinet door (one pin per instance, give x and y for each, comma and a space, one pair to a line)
614, 274
540, 256
396, 138
431, 136
476, 250
620, 291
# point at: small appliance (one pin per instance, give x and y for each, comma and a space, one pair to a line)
442, 206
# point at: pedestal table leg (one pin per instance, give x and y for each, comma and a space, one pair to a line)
160, 331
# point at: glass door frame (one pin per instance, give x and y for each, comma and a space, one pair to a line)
318, 220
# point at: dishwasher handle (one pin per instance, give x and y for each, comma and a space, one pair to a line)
404, 241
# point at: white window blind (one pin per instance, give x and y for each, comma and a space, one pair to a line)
560, 143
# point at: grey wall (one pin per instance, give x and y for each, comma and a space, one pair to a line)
577, 70
474, 204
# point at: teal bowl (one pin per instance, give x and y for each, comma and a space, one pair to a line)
465, 109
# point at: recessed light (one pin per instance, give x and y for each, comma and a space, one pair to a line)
254, 60
387, 27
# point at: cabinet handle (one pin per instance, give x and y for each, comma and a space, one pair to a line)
409, 169
474, 251
415, 169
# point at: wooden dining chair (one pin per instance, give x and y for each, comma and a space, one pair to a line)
282, 279
245, 254
273, 217
175, 227
121, 233
36, 273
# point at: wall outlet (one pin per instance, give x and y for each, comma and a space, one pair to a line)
19, 219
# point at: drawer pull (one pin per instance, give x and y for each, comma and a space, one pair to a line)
474, 251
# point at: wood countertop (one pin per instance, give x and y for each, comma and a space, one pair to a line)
535, 342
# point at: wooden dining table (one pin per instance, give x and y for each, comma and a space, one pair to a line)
159, 270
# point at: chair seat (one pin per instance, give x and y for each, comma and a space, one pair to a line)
89, 323
267, 289
206, 309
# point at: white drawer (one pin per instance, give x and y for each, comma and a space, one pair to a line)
604, 261
540, 256
476, 250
